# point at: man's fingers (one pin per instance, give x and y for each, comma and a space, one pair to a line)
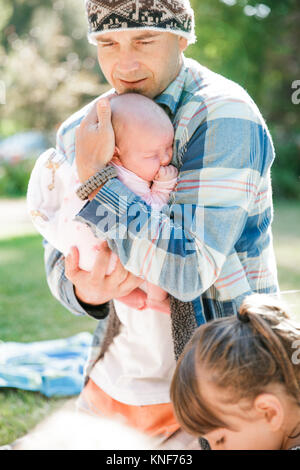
123, 279
104, 112
71, 263
102, 261
131, 282
118, 284
91, 119
118, 275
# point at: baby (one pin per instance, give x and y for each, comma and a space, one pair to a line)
144, 145
237, 383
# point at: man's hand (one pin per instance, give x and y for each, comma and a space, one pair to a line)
95, 140
95, 287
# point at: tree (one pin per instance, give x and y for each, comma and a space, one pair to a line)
256, 45
48, 67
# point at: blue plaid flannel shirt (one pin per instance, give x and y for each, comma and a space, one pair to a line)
212, 244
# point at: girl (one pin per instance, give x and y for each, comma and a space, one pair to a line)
237, 383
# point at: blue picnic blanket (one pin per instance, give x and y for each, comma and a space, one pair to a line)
53, 368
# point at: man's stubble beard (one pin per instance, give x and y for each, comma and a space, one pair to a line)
140, 91
133, 90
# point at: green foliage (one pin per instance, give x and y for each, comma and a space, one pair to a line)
14, 178
50, 70
261, 54
286, 171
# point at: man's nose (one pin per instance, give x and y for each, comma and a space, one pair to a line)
128, 62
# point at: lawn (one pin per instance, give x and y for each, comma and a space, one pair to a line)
28, 312
286, 233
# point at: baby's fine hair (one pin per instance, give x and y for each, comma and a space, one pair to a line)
133, 107
242, 354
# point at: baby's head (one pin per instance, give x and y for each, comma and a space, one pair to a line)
144, 134
237, 383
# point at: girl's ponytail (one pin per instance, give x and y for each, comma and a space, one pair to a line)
268, 319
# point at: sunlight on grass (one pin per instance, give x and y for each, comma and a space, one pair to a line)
9, 256
24, 294
21, 410
28, 312
286, 230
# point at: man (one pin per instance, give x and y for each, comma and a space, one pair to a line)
208, 250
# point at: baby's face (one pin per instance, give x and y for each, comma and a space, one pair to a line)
145, 148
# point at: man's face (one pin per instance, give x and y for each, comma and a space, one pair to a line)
144, 62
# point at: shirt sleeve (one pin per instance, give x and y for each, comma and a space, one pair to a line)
183, 248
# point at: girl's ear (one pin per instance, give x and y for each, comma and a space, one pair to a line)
270, 408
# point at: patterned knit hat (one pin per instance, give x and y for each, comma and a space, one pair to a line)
173, 16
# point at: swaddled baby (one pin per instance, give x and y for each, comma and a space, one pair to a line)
144, 143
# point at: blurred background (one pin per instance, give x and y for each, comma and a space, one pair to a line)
48, 70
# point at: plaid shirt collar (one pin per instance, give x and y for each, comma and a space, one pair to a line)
171, 96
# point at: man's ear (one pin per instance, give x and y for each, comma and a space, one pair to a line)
270, 408
183, 43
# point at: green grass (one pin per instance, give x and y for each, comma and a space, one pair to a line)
20, 411
28, 312
286, 234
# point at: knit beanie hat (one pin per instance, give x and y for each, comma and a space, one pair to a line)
173, 16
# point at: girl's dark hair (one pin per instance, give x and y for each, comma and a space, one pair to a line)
242, 354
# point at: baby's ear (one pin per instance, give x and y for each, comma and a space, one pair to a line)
115, 159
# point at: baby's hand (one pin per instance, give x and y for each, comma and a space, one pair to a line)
166, 173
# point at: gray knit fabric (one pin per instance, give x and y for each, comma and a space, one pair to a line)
183, 324
174, 16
